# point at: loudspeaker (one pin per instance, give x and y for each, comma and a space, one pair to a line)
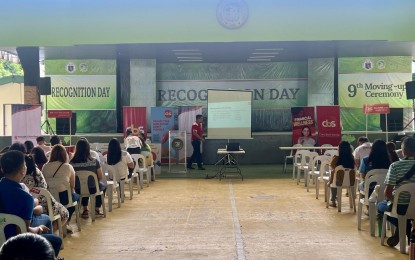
44, 86
410, 89
395, 120
62, 125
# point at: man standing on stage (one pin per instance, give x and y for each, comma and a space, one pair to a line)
197, 138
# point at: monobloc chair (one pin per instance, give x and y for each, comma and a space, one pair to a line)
114, 184
314, 169
298, 160
375, 176
54, 187
143, 169
305, 160
345, 184
83, 177
291, 156
323, 149
331, 153
137, 173
402, 219
36, 192
9, 219
324, 176
151, 165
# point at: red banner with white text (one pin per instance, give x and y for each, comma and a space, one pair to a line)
328, 124
135, 117
303, 126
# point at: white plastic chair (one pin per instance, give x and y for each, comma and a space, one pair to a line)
346, 184
373, 176
314, 169
116, 184
36, 192
142, 170
305, 160
54, 185
298, 160
323, 149
291, 156
331, 153
324, 176
9, 219
151, 166
83, 181
139, 175
402, 219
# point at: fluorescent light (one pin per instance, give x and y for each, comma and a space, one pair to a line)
190, 60
259, 59
188, 53
186, 50
197, 58
265, 53
273, 49
261, 56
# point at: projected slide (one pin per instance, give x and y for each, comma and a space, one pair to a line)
229, 114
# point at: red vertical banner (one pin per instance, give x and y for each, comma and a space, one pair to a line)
328, 124
136, 117
303, 126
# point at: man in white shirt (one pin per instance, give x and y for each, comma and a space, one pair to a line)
41, 143
362, 150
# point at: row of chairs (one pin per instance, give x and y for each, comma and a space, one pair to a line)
55, 185
317, 168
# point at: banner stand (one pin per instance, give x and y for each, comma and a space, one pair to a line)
377, 109
177, 152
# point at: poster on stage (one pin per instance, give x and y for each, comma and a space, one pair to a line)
162, 121
328, 125
303, 126
136, 118
25, 122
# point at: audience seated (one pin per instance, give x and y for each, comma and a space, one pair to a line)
394, 157
16, 201
29, 146
399, 174
59, 167
35, 178
131, 142
362, 150
41, 143
39, 157
83, 161
27, 247
121, 160
378, 158
345, 159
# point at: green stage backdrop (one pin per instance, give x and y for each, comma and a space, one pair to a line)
371, 80
88, 88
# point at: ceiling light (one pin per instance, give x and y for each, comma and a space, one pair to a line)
197, 58
185, 50
190, 60
265, 53
259, 59
261, 56
188, 53
273, 49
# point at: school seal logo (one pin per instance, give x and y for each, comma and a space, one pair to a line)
232, 14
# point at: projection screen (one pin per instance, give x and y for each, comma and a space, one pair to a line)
229, 114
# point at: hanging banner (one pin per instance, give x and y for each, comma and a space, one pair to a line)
162, 121
59, 113
186, 118
373, 80
26, 122
136, 118
328, 124
303, 125
376, 109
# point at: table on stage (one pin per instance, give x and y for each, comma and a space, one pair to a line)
228, 160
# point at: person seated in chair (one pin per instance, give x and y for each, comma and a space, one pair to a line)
16, 201
35, 248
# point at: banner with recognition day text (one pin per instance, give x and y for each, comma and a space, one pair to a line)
372, 80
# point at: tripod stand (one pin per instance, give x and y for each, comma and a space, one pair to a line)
413, 108
46, 124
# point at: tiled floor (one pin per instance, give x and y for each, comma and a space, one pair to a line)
228, 219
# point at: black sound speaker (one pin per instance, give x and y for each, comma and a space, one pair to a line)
395, 120
44, 86
410, 89
62, 125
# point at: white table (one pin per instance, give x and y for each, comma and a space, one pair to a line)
308, 147
228, 160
